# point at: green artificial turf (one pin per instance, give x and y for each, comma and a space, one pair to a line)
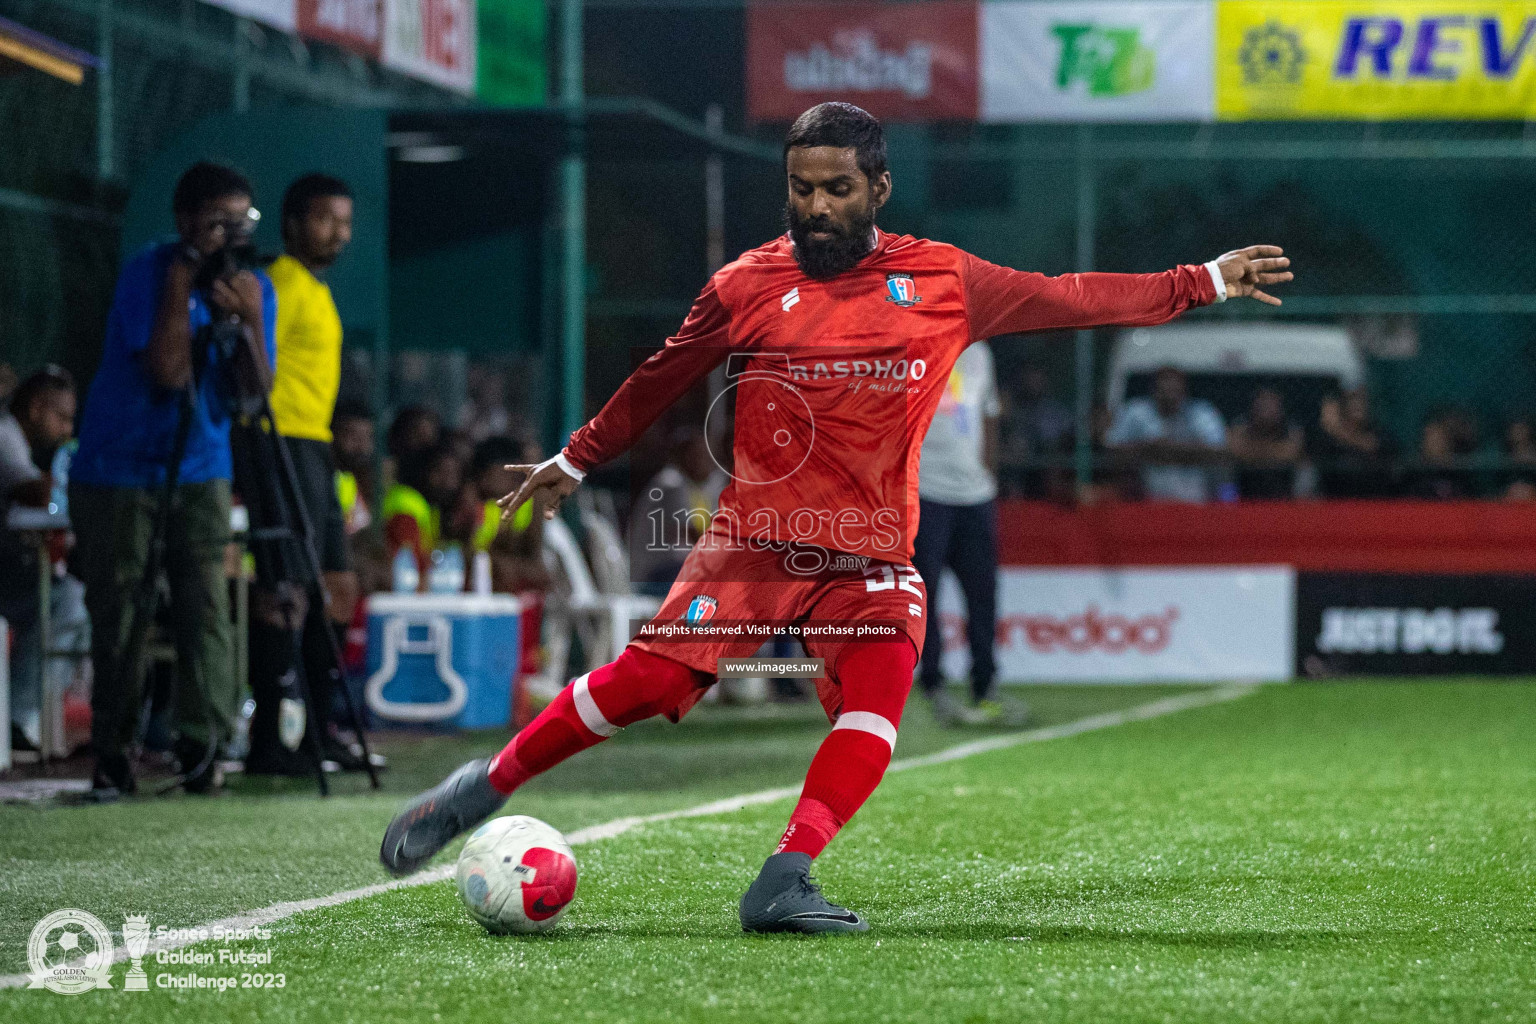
1306, 853
188, 860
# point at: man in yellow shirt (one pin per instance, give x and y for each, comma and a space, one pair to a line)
317, 226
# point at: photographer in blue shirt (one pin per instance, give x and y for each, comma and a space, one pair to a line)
157, 347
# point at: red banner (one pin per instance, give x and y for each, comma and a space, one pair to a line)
1322, 536
356, 25
903, 61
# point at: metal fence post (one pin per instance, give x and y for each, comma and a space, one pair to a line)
242, 94
573, 225
106, 149
1086, 216
5, 697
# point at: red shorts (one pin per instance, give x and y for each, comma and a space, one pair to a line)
729, 601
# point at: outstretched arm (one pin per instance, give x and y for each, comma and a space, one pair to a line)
1004, 301
697, 348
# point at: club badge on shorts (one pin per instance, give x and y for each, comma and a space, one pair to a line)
701, 609
903, 290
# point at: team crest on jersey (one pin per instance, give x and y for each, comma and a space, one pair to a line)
701, 609
902, 289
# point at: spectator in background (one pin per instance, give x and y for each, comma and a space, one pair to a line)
1111, 479
415, 506
1354, 456
1267, 447
1176, 440
1462, 429
673, 511
352, 449
1442, 473
1519, 478
461, 444
40, 419
957, 529
316, 228
415, 429
485, 414
153, 347
516, 547
1520, 443
1034, 428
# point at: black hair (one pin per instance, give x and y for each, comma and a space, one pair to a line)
405, 421
352, 409
845, 126
204, 182
48, 380
416, 467
495, 451
308, 188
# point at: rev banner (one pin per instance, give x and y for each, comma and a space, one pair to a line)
1406, 59
1096, 60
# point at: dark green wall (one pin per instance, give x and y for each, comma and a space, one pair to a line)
272, 147
476, 294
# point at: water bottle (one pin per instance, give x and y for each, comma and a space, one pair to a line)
290, 711
241, 744
407, 574
58, 501
482, 572
448, 571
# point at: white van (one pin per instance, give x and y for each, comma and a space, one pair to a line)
1227, 362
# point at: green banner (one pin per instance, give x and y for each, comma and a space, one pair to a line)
512, 66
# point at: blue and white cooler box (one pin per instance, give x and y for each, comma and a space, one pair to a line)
442, 659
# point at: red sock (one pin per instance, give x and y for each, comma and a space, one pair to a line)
875, 678
595, 706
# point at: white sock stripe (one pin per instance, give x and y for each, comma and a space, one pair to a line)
586, 707
868, 721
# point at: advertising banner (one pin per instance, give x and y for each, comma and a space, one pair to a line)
1088, 60
1327, 59
1133, 625
356, 25
510, 67
279, 14
1399, 624
902, 61
433, 40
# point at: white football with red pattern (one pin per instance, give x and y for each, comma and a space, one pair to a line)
516, 874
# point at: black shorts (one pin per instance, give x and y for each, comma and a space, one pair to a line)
258, 478
316, 471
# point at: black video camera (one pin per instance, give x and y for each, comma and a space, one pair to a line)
221, 339
238, 252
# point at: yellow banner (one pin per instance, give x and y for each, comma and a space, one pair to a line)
1410, 59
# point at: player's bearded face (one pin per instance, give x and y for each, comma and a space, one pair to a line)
845, 242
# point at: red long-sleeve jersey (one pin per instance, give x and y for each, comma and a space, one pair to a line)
837, 380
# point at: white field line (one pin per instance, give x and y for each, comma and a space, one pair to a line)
609, 829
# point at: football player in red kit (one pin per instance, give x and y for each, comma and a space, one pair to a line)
837, 338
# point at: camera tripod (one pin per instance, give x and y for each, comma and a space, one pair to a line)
294, 524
